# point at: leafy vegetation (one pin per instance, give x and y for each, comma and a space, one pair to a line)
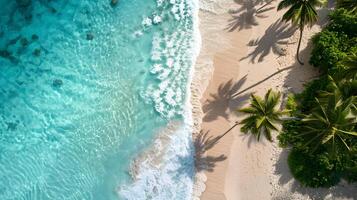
350, 70
324, 138
330, 122
300, 13
337, 42
312, 170
350, 5
262, 115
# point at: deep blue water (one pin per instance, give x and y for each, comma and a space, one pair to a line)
84, 88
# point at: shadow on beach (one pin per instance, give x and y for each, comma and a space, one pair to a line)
299, 75
202, 144
273, 40
246, 16
323, 13
251, 139
221, 103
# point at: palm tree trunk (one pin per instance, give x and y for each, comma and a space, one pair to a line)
298, 48
259, 82
221, 136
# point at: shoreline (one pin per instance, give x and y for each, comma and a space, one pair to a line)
157, 157
213, 42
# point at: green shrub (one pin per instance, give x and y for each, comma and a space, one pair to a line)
351, 170
307, 97
291, 104
312, 170
289, 135
344, 22
318, 164
337, 41
329, 49
349, 164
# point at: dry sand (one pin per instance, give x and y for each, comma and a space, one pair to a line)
245, 51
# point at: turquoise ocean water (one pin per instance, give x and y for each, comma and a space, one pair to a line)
85, 88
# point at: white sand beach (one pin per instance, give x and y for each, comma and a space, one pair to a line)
246, 50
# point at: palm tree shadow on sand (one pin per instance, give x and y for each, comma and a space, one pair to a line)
221, 103
261, 81
251, 139
202, 144
202, 162
273, 40
246, 16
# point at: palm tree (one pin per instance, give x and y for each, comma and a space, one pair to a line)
263, 115
351, 66
343, 87
300, 13
330, 123
349, 5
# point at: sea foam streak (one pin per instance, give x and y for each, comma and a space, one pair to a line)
166, 170
171, 57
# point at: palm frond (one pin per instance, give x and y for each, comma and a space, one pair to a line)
349, 5
247, 110
344, 142
285, 4
300, 12
350, 62
331, 118
348, 132
262, 115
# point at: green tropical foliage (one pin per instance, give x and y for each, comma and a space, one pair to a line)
350, 5
330, 48
337, 42
300, 13
262, 115
330, 123
313, 170
345, 86
350, 63
342, 21
323, 142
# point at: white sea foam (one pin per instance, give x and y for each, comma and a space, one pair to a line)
147, 21
171, 57
212, 6
157, 19
166, 170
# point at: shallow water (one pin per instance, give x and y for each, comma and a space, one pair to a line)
84, 88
